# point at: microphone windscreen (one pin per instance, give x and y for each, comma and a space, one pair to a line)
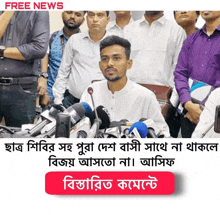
102, 114
79, 109
141, 127
87, 107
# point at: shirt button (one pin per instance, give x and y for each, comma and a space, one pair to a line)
6, 69
202, 65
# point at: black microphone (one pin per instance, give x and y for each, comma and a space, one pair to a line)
76, 113
102, 122
90, 92
63, 125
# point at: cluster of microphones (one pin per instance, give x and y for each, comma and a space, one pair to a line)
79, 121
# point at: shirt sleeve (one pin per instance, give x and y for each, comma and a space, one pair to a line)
207, 117
181, 74
62, 78
37, 47
154, 113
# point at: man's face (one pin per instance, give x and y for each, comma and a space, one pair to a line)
122, 13
152, 13
97, 21
186, 17
210, 15
73, 19
114, 63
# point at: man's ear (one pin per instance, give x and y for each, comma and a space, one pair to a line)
129, 63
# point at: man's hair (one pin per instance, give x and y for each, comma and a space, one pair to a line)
174, 12
107, 12
116, 40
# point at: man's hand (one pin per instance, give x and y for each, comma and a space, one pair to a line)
42, 86
194, 111
44, 100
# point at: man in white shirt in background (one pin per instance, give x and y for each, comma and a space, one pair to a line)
122, 18
80, 61
123, 98
156, 43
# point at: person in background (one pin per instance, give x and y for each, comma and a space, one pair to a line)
80, 62
116, 26
24, 37
156, 43
50, 64
199, 60
187, 20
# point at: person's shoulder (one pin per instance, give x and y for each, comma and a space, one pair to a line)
132, 25
98, 84
110, 25
78, 37
174, 27
192, 38
141, 90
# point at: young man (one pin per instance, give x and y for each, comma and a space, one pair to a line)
79, 65
72, 21
24, 37
116, 26
187, 20
199, 60
123, 98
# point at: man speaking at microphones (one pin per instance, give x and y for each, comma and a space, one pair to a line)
122, 98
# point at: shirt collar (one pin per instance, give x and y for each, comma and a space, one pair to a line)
161, 20
125, 89
203, 30
113, 23
61, 33
85, 34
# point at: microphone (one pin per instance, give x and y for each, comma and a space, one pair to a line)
46, 117
102, 122
114, 130
138, 130
81, 129
90, 92
62, 125
76, 113
153, 131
